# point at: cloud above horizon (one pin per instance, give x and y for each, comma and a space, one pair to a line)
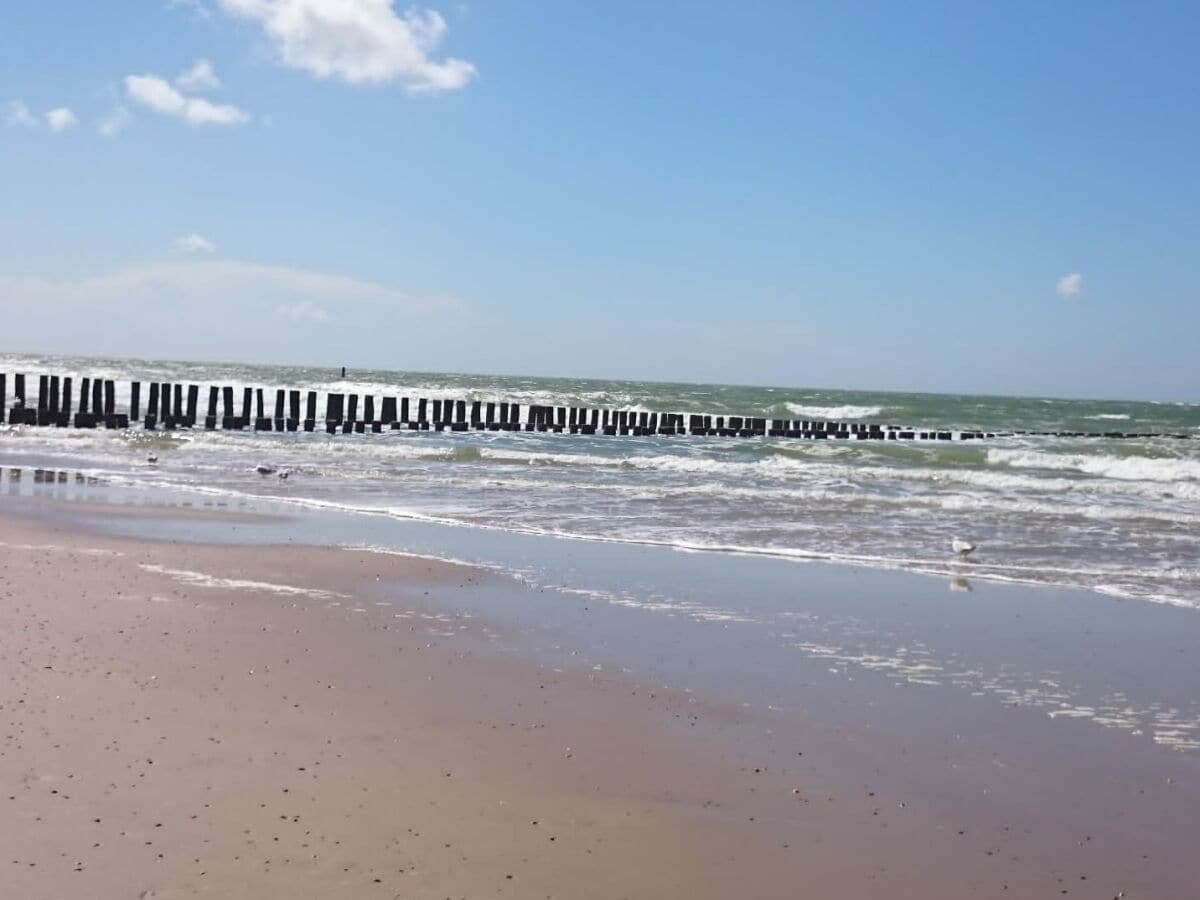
303, 311
357, 41
215, 281
115, 122
17, 115
1070, 285
194, 243
60, 119
161, 96
195, 7
200, 77
213, 309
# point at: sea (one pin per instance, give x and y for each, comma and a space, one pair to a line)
1117, 516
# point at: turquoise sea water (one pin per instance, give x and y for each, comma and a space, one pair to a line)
1119, 516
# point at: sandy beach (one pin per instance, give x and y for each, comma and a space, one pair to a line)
269, 736
187, 719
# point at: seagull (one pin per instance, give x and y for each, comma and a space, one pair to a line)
152, 459
961, 547
264, 469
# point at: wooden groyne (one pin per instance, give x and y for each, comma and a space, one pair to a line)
67, 402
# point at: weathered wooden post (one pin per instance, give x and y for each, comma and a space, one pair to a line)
152, 407
83, 419
64, 412
42, 416
333, 409
193, 400
111, 419
261, 422
162, 412
310, 412
210, 417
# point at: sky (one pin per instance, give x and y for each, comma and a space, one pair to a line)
958, 197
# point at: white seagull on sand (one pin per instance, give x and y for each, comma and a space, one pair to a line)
961, 547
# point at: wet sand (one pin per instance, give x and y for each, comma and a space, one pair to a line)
182, 719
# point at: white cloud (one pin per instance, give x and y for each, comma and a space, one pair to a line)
196, 7
194, 243
116, 121
201, 308
303, 311
357, 41
1069, 285
200, 77
17, 114
60, 119
157, 94
239, 284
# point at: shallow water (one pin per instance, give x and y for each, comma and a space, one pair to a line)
755, 629
1117, 516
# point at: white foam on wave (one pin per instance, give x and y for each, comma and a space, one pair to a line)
60, 548
203, 579
1114, 416
1123, 468
834, 413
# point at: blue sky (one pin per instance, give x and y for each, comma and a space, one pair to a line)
956, 196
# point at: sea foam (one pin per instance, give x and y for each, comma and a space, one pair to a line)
834, 413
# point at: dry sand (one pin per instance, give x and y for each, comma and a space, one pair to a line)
166, 739
314, 724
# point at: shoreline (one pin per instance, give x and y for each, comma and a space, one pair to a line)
684, 757
225, 503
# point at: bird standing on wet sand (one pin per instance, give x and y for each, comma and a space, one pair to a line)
962, 548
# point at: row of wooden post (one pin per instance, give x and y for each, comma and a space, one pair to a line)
172, 406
